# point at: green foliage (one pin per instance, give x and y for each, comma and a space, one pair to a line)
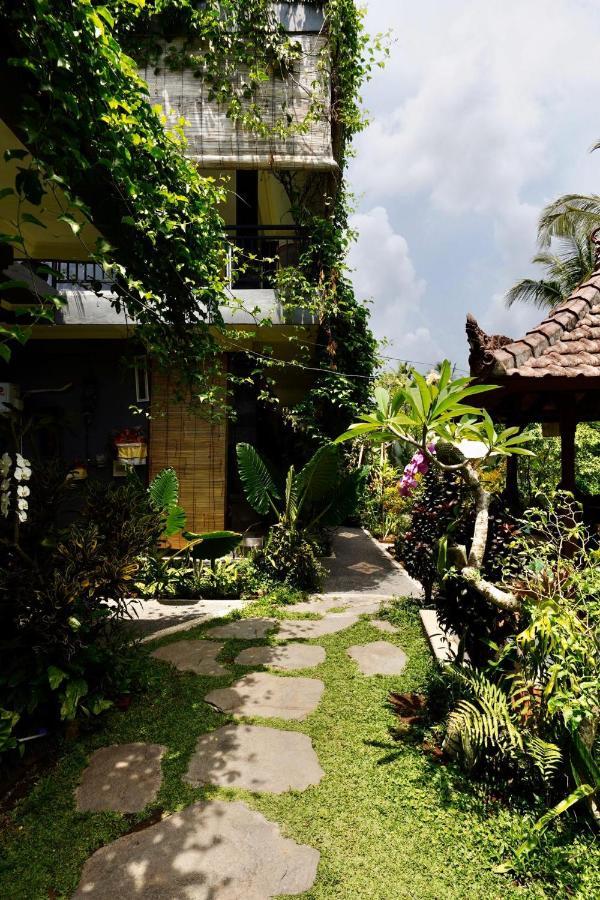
492, 725
531, 716
115, 164
163, 491
566, 268
62, 653
211, 545
319, 495
259, 486
290, 557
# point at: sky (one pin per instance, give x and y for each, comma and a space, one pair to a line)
484, 112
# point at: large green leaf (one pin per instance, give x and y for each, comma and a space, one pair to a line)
320, 475
164, 490
212, 544
344, 501
175, 521
259, 487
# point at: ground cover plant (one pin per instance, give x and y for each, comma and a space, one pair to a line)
415, 828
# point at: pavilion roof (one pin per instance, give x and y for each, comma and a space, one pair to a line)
565, 344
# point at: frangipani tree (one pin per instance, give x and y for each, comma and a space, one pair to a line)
436, 419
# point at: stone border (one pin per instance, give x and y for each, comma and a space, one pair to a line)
443, 644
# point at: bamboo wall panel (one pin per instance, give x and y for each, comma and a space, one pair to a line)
196, 448
214, 139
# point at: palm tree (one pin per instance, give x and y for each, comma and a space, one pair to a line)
571, 214
571, 263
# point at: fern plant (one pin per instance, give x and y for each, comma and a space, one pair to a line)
496, 725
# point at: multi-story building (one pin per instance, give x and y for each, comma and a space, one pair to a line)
84, 376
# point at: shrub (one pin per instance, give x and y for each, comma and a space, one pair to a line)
438, 506
289, 557
60, 600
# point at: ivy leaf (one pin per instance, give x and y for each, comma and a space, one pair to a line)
33, 220
56, 676
73, 224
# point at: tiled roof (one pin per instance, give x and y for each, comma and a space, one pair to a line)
567, 343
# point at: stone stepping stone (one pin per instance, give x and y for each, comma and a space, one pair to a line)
378, 658
317, 606
244, 629
255, 758
384, 625
122, 778
366, 607
210, 851
313, 628
199, 657
286, 658
269, 696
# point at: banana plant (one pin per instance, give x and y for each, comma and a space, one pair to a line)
437, 419
320, 494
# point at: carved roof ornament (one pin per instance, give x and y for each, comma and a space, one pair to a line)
566, 344
482, 345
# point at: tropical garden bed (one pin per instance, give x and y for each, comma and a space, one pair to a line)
416, 827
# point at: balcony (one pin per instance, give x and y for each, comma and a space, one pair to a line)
262, 250
256, 254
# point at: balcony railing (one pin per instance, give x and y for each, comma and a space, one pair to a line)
256, 253
261, 251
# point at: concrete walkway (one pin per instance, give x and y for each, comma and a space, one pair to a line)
359, 566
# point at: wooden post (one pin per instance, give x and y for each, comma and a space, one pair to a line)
568, 426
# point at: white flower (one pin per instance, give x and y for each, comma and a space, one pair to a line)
23, 491
22, 504
22, 462
5, 485
22, 515
472, 449
5, 464
22, 474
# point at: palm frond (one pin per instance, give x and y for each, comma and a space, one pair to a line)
571, 214
543, 294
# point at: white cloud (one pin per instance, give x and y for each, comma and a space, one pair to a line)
383, 272
483, 114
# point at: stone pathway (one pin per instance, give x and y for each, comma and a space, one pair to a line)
269, 697
219, 850
360, 566
384, 625
124, 778
209, 851
199, 657
378, 658
255, 758
244, 629
313, 628
287, 658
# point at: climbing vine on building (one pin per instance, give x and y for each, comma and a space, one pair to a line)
73, 96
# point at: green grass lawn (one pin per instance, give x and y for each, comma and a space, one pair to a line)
389, 822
